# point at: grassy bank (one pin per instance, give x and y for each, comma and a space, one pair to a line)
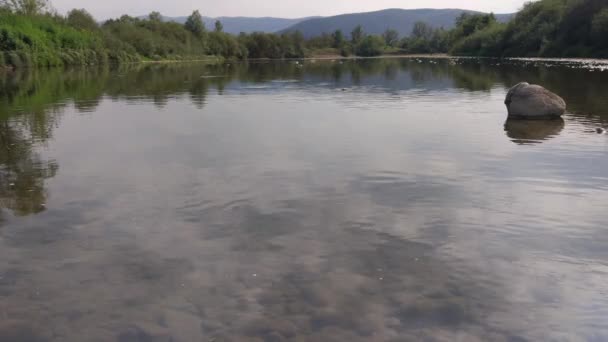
45, 40
41, 41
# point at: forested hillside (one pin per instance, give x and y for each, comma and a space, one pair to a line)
551, 28
400, 20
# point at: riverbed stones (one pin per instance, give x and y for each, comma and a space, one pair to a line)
19, 331
531, 101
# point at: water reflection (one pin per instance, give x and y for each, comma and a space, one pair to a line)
48, 90
259, 201
22, 170
530, 132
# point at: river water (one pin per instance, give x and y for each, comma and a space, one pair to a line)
370, 200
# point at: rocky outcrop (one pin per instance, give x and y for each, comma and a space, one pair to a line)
530, 101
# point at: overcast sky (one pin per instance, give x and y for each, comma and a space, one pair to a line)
275, 8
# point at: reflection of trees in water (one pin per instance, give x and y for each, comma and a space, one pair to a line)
22, 171
30, 107
31, 101
30, 104
474, 76
40, 91
583, 90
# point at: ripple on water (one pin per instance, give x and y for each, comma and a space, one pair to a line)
271, 205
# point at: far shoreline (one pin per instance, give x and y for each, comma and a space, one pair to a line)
213, 60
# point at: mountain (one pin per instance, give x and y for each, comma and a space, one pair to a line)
377, 22
236, 25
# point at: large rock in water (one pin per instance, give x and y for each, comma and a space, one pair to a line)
530, 101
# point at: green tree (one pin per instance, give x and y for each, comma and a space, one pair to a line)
599, 27
219, 27
195, 24
27, 7
155, 17
422, 30
357, 35
391, 38
439, 41
338, 39
371, 46
81, 19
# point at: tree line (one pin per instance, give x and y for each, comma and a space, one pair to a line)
31, 33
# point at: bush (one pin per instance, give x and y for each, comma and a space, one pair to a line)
371, 46
345, 51
487, 42
13, 59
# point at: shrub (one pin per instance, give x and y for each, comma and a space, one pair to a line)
13, 58
487, 42
345, 51
371, 46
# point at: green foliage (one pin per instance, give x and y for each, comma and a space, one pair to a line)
225, 45
13, 58
371, 46
265, 45
487, 42
391, 38
46, 41
422, 31
599, 25
26, 7
155, 17
426, 39
219, 27
357, 35
320, 42
552, 28
82, 20
28, 37
152, 38
195, 24
338, 39
467, 24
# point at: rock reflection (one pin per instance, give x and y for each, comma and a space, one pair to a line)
530, 132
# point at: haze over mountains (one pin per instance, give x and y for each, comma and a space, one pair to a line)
236, 25
376, 22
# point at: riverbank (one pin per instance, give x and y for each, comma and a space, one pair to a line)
390, 55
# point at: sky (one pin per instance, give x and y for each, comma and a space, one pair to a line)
272, 8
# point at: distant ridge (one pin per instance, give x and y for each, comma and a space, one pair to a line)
377, 22
236, 25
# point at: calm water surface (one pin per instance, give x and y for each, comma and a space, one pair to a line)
376, 200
